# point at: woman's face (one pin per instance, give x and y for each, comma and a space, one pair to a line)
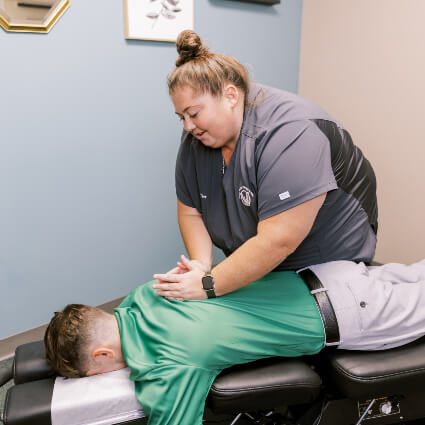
215, 121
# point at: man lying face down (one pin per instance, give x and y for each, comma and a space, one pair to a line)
176, 349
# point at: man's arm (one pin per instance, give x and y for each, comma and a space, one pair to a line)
174, 394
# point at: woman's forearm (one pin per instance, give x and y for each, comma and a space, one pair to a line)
195, 236
251, 261
277, 237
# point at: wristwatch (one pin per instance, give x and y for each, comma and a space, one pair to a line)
208, 285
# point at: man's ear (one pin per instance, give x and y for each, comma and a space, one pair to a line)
100, 352
100, 356
231, 94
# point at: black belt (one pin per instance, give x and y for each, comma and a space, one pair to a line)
324, 305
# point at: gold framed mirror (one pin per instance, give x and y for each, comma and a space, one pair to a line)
31, 15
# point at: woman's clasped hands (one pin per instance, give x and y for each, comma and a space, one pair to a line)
183, 282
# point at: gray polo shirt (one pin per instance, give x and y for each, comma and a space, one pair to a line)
289, 151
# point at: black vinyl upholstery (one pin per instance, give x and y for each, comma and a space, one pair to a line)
362, 374
30, 364
29, 403
263, 384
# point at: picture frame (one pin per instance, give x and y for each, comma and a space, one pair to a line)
157, 20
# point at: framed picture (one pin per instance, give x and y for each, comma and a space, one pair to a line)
159, 20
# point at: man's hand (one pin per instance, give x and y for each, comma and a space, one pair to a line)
184, 282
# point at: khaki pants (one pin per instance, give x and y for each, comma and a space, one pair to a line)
376, 307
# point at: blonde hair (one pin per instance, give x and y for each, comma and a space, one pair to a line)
204, 71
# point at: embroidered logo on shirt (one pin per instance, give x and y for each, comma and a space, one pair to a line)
245, 195
203, 196
284, 195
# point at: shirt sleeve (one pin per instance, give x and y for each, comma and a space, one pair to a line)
294, 167
185, 174
174, 394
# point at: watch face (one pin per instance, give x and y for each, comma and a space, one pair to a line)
208, 282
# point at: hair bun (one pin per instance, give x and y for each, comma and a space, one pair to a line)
189, 47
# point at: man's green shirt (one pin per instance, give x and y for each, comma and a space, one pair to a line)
176, 349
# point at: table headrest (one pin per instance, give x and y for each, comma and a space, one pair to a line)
30, 363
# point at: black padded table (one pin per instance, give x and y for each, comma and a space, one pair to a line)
264, 384
337, 384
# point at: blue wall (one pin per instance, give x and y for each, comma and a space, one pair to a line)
88, 139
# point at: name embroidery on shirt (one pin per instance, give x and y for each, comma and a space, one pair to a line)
245, 195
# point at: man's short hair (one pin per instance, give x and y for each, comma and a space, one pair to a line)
68, 339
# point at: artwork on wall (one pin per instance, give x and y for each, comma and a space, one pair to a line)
159, 20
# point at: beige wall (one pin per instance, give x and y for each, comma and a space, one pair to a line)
364, 62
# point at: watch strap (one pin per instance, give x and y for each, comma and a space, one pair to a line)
210, 293
209, 290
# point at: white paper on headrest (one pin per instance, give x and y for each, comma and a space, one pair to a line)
104, 399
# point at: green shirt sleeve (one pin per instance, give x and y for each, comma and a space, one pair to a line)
174, 394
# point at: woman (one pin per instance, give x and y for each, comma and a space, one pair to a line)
265, 175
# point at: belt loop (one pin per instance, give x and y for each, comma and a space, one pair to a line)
316, 291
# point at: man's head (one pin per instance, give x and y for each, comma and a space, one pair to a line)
82, 340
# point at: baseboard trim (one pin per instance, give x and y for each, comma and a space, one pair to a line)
8, 345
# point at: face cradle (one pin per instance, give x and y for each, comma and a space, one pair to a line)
212, 120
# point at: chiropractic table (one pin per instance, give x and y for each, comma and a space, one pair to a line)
335, 387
